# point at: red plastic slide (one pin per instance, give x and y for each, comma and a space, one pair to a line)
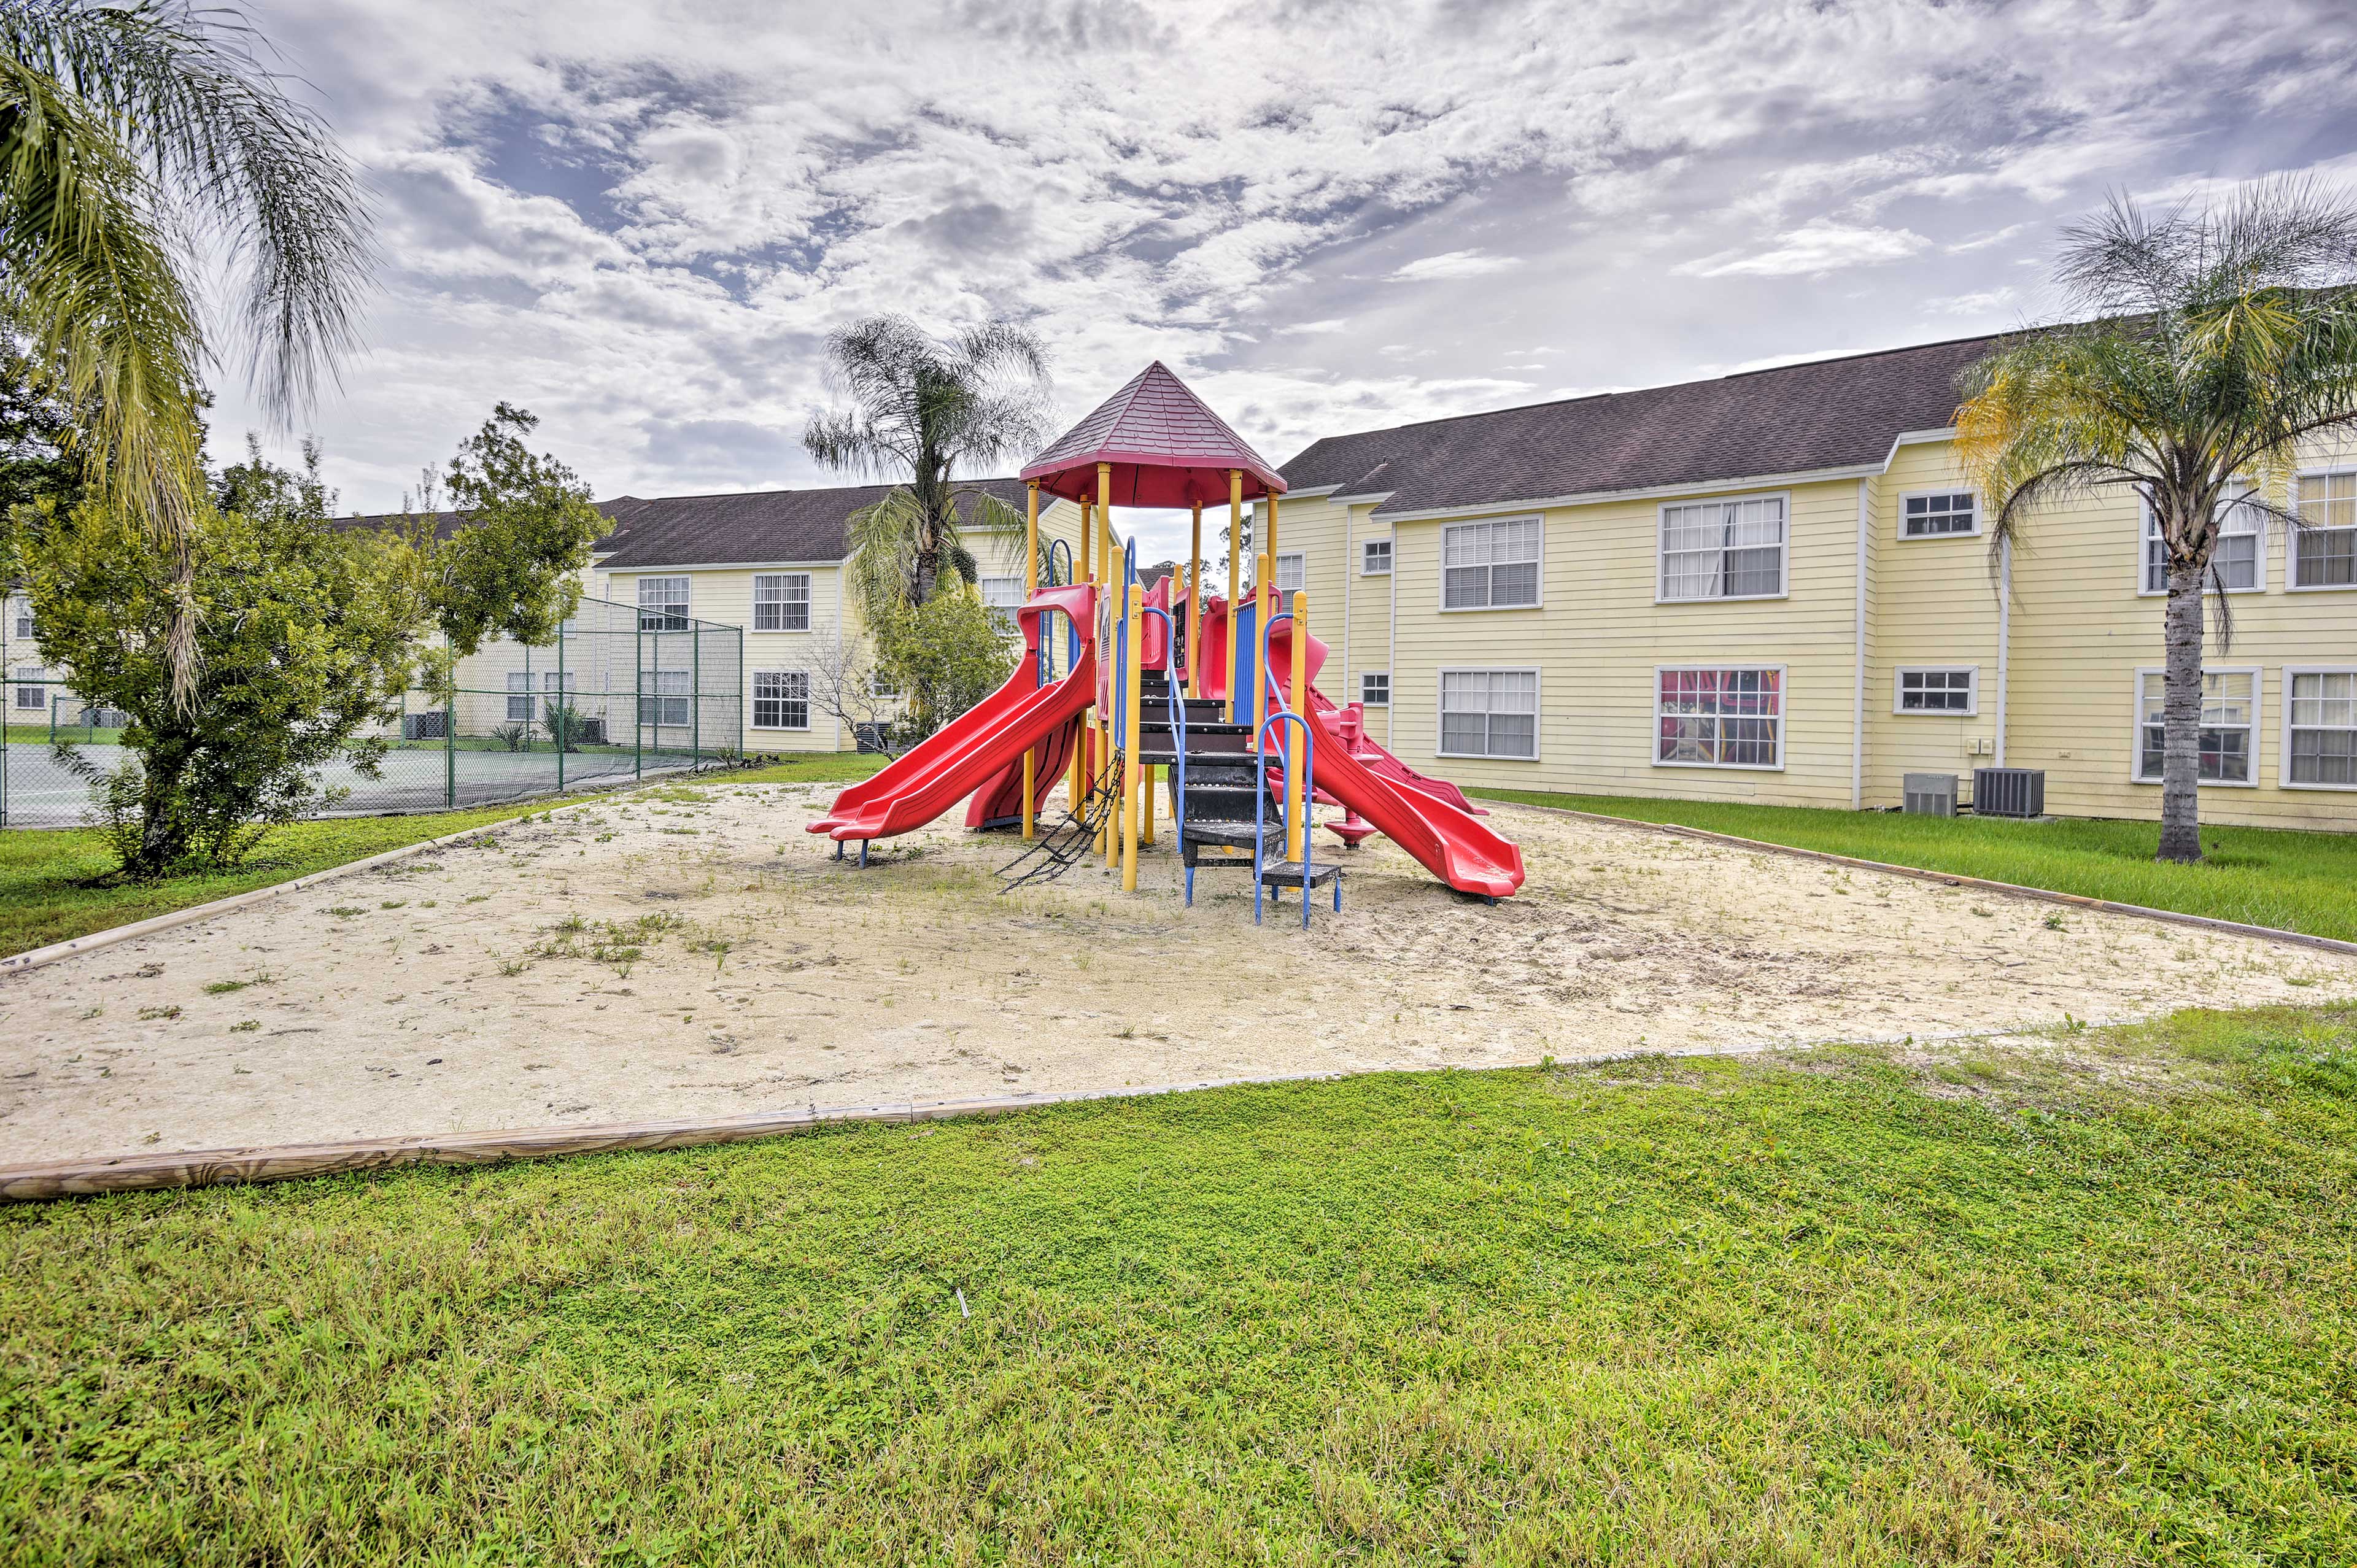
979, 743
1454, 845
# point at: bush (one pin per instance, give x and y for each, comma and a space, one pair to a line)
513, 737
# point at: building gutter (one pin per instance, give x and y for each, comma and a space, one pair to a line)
2003, 636
1858, 677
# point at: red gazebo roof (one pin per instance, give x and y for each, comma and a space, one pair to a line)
1167, 448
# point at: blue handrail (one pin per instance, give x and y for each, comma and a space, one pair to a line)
1260, 809
1177, 707
1281, 717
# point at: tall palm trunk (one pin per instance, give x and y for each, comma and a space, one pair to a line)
2180, 761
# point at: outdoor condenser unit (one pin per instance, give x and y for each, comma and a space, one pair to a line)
425, 726
2009, 791
1930, 794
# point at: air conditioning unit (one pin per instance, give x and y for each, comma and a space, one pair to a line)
2009, 791
1930, 794
425, 727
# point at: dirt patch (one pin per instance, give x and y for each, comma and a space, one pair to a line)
692, 952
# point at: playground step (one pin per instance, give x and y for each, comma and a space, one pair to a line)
1219, 803
1288, 873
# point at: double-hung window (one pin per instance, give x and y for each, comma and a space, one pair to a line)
1375, 557
2324, 547
2230, 706
2238, 562
1943, 690
21, 612
781, 601
1375, 688
781, 699
1002, 597
662, 604
1491, 566
1292, 573
1719, 718
1489, 712
1723, 550
518, 696
2320, 727
1938, 514
30, 694
666, 698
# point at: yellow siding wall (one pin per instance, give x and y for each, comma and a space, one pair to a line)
2079, 632
725, 595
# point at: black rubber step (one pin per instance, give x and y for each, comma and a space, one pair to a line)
1288, 873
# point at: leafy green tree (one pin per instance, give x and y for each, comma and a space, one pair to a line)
2221, 337
922, 413
943, 656
37, 431
307, 634
304, 641
140, 142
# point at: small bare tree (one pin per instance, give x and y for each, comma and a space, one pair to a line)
843, 686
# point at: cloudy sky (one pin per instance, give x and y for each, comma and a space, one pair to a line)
639, 218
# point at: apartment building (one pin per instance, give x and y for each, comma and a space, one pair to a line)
773, 562
1778, 587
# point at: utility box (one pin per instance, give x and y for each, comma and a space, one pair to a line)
434, 725
2009, 791
1931, 795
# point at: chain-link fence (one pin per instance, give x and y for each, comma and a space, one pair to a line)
621, 694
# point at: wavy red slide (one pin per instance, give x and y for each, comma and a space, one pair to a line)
977, 745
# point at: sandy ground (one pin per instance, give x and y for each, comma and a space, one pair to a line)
690, 951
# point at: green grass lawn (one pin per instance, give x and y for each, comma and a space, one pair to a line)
2028, 1308
54, 882
2264, 876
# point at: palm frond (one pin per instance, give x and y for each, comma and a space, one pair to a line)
242, 162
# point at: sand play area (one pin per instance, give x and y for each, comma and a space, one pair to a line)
688, 952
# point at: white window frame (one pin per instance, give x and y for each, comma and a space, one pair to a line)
1941, 492
2146, 524
518, 696
23, 626
654, 691
2259, 725
1367, 675
2292, 585
1783, 714
33, 681
1440, 711
784, 699
1366, 551
1537, 562
1661, 595
880, 687
686, 600
1972, 692
1300, 563
784, 603
2284, 738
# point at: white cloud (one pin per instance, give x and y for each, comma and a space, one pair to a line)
1314, 328
1815, 249
1453, 266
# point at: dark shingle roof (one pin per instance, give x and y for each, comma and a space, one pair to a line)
1827, 413
758, 525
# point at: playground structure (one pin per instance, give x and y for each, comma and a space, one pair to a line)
1212, 695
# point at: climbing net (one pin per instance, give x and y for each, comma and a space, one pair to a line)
1070, 840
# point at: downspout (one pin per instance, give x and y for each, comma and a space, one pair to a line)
2003, 636
1858, 685
1349, 523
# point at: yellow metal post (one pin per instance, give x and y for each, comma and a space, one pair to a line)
1083, 774
1195, 605
1263, 582
1030, 587
1130, 770
1145, 828
1297, 800
1235, 553
1109, 570
1268, 545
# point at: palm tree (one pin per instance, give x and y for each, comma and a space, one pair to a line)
922, 410
2221, 337
139, 140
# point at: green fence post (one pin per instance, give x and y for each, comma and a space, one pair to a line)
695, 695
563, 716
639, 704
53, 719
450, 729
